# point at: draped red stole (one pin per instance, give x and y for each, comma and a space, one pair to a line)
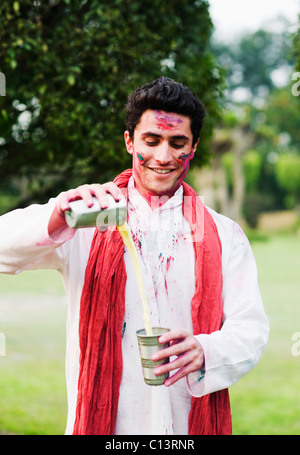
101, 318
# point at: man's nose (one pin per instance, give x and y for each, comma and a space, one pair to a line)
164, 153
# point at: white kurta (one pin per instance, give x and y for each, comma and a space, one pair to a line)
167, 261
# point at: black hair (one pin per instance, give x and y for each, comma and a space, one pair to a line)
166, 95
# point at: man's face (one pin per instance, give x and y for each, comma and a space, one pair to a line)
161, 150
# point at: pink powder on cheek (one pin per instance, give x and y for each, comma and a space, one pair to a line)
138, 162
140, 158
137, 173
183, 157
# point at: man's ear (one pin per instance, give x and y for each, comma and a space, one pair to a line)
193, 150
195, 146
128, 142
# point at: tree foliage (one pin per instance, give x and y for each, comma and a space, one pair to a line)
69, 67
288, 173
252, 61
297, 47
263, 106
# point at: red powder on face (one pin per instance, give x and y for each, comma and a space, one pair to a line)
166, 121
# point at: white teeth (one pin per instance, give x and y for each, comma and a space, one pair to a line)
162, 171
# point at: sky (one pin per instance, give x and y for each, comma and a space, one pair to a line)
233, 17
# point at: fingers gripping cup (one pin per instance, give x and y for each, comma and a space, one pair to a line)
148, 345
80, 216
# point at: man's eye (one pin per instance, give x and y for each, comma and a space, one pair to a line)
152, 143
177, 146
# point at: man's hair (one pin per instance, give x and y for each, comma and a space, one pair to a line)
166, 95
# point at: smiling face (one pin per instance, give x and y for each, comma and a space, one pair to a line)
161, 152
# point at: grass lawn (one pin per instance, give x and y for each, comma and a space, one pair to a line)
267, 400
32, 382
32, 374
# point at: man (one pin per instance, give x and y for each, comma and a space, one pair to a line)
199, 276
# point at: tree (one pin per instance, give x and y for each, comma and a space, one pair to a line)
69, 67
297, 48
288, 175
253, 61
264, 119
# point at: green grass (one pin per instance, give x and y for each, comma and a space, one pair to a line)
32, 376
267, 400
37, 282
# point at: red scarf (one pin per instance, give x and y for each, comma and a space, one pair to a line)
101, 319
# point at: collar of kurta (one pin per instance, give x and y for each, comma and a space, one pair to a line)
102, 310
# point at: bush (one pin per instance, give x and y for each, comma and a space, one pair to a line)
287, 172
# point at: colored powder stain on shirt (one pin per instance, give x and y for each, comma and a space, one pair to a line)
174, 241
123, 328
169, 259
166, 286
137, 241
161, 258
200, 376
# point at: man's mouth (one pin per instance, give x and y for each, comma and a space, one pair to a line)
161, 171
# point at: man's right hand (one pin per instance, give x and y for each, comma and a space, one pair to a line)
85, 192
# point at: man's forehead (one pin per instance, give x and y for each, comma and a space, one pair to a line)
164, 115
163, 120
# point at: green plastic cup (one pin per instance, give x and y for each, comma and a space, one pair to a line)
148, 345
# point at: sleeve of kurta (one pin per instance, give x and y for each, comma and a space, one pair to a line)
233, 351
25, 243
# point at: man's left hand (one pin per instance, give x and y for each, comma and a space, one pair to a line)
189, 352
